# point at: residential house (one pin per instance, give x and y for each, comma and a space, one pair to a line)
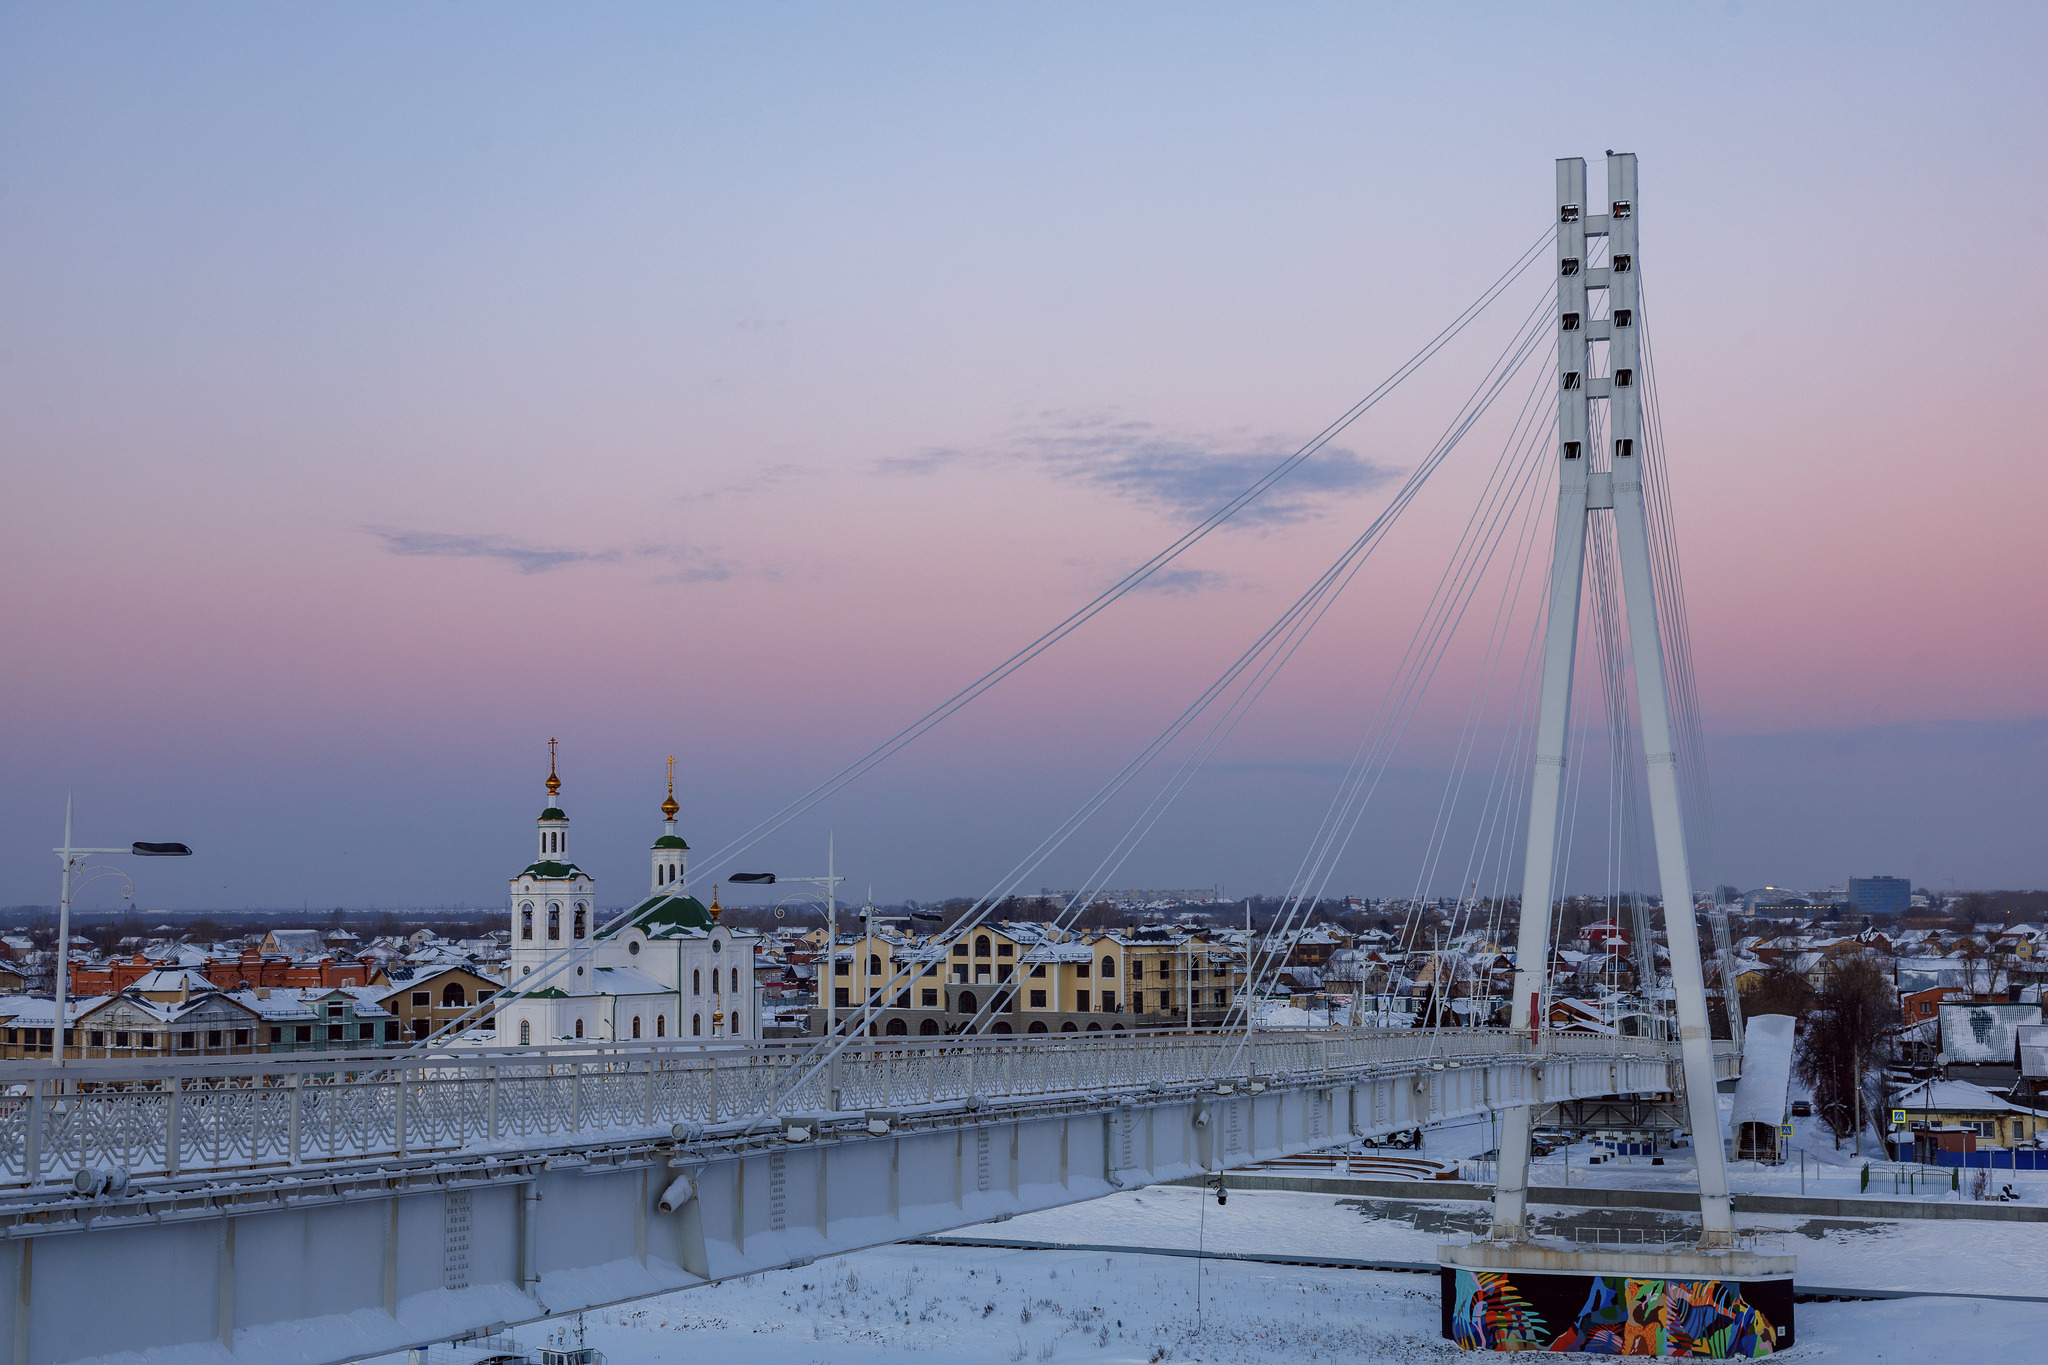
425, 1000
1957, 1117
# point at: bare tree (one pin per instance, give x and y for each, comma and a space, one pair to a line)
1843, 1039
1779, 989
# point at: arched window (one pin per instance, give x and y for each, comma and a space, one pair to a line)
968, 1004
579, 922
928, 1027
579, 1028
981, 945
897, 1028
554, 919
452, 994
697, 981
696, 1025
736, 1029
1108, 967
874, 968
636, 1026
526, 1033
661, 1026
735, 980
526, 922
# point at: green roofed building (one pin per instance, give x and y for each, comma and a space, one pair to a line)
665, 969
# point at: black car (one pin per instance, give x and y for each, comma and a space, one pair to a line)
1801, 1109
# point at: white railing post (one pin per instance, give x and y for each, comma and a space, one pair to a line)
296, 1118
173, 1139
32, 1148
491, 1102
398, 1115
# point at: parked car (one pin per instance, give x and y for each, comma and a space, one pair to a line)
1801, 1109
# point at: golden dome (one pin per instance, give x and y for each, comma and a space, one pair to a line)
714, 907
554, 783
669, 807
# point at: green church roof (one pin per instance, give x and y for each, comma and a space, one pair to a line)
666, 917
671, 841
553, 871
554, 813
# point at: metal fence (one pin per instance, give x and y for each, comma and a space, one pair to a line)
167, 1118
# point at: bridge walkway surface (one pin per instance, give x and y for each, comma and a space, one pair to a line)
316, 1208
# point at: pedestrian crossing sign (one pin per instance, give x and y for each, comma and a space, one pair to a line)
1785, 1131
1898, 1118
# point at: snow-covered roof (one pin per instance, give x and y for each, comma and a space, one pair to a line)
627, 981
1766, 1070
1984, 1033
1955, 1097
2033, 1040
171, 979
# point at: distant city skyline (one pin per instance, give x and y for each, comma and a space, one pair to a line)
391, 389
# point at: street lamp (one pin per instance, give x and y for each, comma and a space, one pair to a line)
831, 885
72, 858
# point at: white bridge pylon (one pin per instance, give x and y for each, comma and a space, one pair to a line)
1591, 481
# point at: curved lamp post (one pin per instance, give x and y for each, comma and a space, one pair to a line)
72, 858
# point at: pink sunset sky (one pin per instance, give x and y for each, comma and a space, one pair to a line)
388, 389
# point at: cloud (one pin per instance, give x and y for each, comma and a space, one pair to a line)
1188, 476
1184, 582
928, 461
694, 565
757, 482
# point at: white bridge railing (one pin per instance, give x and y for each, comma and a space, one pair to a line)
171, 1118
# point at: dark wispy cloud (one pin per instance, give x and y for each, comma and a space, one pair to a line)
1189, 476
691, 565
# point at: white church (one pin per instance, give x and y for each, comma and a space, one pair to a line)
668, 969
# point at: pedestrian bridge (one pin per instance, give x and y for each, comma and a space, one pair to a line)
307, 1209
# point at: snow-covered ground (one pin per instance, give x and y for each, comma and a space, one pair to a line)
976, 1304
1950, 1255
1815, 1166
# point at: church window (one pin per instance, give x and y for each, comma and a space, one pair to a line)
696, 1025
636, 1026
579, 921
697, 982
554, 920
735, 978
579, 1028
526, 1033
526, 922
661, 1026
